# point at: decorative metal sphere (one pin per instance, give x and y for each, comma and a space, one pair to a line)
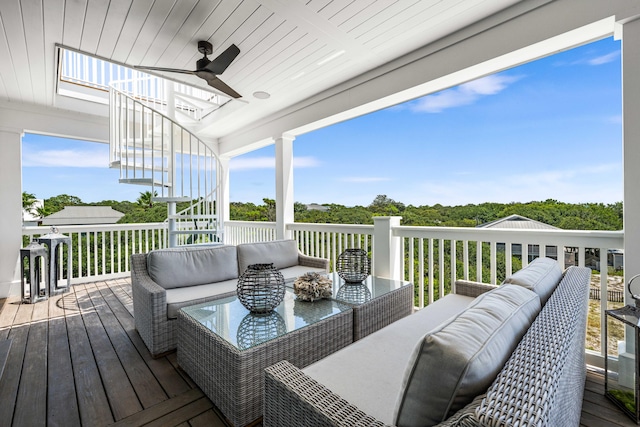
255, 329
353, 293
261, 288
353, 265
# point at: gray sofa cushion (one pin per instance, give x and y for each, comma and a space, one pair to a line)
190, 295
189, 266
368, 373
280, 253
541, 276
458, 360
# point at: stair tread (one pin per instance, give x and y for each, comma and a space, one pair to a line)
145, 181
171, 199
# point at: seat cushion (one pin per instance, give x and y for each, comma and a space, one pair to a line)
189, 266
541, 276
369, 372
191, 295
459, 359
280, 253
292, 273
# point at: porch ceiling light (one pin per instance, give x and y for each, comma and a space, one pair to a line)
261, 95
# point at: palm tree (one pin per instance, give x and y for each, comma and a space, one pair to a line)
28, 202
146, 199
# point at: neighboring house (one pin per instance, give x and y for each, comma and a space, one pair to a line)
519, 222
83, 215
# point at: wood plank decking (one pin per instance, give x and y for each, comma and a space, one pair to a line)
77, 359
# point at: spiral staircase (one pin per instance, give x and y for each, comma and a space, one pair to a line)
151, 144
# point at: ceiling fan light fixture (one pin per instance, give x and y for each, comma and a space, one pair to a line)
261, 95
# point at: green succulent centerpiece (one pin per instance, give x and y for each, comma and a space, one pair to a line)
312, 286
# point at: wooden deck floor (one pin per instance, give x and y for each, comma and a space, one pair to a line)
77, 360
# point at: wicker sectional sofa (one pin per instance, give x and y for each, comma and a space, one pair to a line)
486, 355
165, 280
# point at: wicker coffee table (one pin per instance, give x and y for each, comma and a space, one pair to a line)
376, 302
225, 349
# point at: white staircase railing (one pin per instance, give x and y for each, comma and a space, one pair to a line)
154, 150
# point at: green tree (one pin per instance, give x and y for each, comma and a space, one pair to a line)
57, 203
146, 199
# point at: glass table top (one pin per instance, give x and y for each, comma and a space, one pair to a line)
230, 320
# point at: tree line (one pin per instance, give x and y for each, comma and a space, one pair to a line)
581, 216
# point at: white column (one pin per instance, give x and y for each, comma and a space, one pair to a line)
631, 171
284, 185
387, 249
10, 210
223, 194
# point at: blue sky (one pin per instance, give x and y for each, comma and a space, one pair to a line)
547, 129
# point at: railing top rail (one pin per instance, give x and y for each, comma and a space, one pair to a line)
252, 224
338, 228
610, 239
94, 227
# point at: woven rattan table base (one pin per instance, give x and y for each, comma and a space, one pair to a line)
234, 379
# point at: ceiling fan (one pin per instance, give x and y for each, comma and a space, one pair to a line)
207, 69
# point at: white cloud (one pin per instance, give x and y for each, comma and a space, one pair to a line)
66, 159
363, 179
270, 163
604, 59
465, 94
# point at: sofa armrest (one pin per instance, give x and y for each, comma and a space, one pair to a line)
543, 380
309, 261
472, 289
293, 399
149, 305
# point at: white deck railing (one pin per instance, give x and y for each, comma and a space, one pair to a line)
432, 257
102, 251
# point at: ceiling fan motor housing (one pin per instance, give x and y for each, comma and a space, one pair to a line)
205, 48
201, 63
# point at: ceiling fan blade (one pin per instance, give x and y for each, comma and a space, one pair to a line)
171, 70
222, 61
216, 83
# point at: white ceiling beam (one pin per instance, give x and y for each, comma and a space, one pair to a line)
33, 118
514, 36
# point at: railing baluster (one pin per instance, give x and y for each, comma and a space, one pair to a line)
431, 284
454, 260
479, 261
441, 267
465, 258
421, 272
493, 254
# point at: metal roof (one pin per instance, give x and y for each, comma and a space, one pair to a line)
80, 215
518, 222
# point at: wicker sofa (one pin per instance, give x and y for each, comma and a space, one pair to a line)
485, 356
165, 280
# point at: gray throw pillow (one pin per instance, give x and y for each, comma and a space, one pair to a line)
541, 276
459, 359
280, 253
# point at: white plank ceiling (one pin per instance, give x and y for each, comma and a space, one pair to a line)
292, 49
